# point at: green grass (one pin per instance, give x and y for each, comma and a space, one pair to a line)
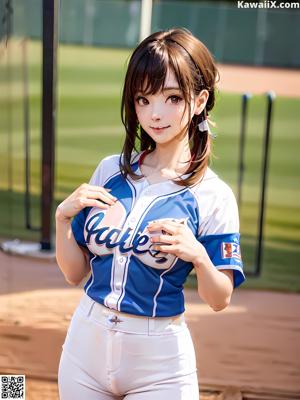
89, 128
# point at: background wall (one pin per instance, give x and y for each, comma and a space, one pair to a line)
243, 36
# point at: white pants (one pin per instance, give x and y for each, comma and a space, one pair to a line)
135, 358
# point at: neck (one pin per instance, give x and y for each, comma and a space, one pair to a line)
173, 156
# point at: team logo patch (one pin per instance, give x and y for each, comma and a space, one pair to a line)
231, 250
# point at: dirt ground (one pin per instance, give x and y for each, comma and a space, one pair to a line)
250, 350
258, 80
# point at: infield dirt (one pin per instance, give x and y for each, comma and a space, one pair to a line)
252, 346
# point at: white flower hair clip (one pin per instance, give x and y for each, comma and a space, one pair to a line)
203, 126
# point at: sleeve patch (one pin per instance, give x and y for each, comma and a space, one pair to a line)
231, 250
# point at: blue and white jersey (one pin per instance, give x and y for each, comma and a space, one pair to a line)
126, 273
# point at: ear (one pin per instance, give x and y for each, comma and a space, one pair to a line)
200, 101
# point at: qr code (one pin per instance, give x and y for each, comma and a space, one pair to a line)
12, 387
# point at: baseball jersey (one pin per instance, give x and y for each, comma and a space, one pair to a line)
127, 274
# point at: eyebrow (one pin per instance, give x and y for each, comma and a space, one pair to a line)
164, 89
171, 88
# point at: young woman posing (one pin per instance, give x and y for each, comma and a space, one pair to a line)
145, 220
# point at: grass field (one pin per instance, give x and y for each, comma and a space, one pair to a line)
89, 128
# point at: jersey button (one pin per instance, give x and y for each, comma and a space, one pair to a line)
121, 260
133, 219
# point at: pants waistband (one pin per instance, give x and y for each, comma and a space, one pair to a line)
118, 321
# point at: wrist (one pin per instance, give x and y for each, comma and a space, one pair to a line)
198, 261
201, 258
60, 217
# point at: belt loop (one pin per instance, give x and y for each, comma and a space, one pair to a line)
150, 326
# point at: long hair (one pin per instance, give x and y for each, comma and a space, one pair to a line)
195, 70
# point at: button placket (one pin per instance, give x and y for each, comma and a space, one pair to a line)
120, 260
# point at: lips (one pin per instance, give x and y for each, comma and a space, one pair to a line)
159, 128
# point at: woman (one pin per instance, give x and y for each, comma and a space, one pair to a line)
144, 221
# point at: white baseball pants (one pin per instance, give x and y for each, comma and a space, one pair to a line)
109, 355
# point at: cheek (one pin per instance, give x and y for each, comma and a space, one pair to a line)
140, 113
136, 110
182, 114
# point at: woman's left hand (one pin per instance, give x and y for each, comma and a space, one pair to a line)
178, 239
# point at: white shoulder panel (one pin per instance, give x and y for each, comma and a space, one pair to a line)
217, 206
106, 168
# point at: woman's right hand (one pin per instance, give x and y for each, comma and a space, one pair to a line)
85, 195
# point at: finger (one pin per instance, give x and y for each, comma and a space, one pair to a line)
107, 194
164, 248
94, 188
101, 196
166, 226
94, 203
168, 239
170, 221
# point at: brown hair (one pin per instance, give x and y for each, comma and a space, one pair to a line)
194, 69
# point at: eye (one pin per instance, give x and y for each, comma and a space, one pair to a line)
142, 101
175, 99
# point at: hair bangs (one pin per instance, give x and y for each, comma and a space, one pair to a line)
150, 71
180, 67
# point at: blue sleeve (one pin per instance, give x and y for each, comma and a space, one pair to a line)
219, 234
78, 227
224, 252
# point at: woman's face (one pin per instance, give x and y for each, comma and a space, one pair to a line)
163, 115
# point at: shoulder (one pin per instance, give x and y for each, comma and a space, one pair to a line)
213, 186
110, 166
106, 167
213, 195
116, 159
108, 163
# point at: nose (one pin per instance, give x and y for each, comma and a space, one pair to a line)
155, 116
156, 112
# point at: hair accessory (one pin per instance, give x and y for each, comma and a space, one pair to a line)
204, 127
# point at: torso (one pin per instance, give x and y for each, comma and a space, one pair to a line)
127, 274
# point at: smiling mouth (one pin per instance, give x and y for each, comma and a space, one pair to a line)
159, 128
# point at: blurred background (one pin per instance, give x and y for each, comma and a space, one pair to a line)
257, 51
95, 40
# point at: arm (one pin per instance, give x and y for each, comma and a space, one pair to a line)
71, 258
215, 286
218, 272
